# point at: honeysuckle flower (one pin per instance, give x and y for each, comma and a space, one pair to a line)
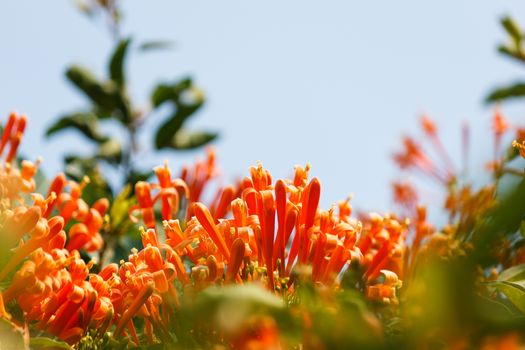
56, 290
405, 194
499, 124
431, 131
168, 191
382, 244
12, 134
86, 234
266, 231
384, 290
197, 177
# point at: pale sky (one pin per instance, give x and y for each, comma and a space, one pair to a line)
333, 83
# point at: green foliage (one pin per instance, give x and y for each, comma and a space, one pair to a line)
514, 291
190, 140
47, 343
105, 96
11, 336
116, 64
440, 303
108, 99
155, 45
513, 30
514, 273
513, 50
511, 282
86, 123
507, 92
185, 100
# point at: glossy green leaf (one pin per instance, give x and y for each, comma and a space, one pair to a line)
184, 140
504, 93
514, 273
104, 95
86, 123
116, 64
514, 291
47, 343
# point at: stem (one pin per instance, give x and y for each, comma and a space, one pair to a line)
511, 171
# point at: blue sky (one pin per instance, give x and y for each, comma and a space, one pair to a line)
335, 83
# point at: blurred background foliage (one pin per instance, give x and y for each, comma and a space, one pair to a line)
108, 100
513, 49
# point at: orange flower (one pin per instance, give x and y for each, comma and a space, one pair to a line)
12, 134
499, 124
405, 194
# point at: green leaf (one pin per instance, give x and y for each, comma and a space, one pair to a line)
503, 93
502, 222
44, 342
514, 291
86, 123
169, 129
11, 336
512, 274
231, 306
119, 209
250, 294
187, 99
170, 92
116, 64
184, 140
512, 29
512, 53
155, 45
76, 166
111, 151
104, 95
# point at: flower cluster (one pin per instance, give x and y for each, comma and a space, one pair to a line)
257, 232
